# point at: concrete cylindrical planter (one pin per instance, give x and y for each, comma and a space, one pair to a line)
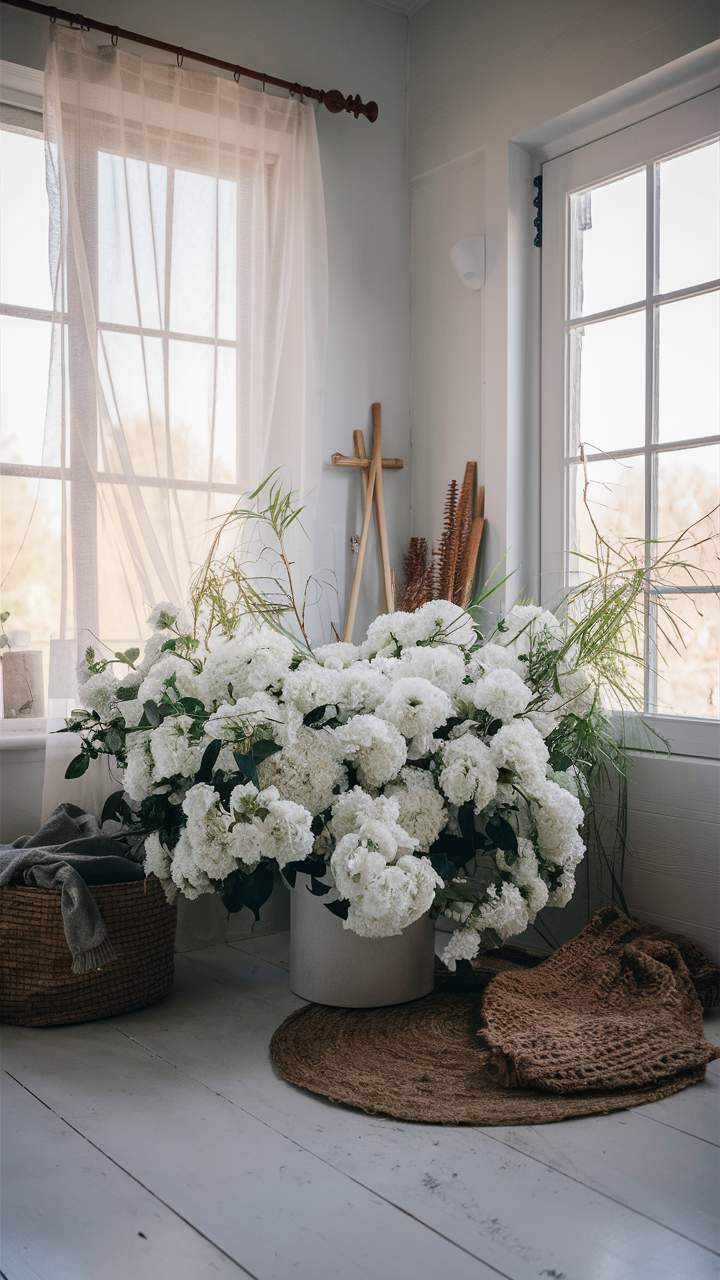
23, 690
332, 965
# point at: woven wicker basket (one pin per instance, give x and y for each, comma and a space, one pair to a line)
37, 985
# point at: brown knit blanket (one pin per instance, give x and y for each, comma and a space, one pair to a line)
613, 1009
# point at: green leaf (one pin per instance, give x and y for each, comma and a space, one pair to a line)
442, 864
248, 890
499, 831
317, 888
262, 750
193, 706
4, 616
4, 642
317, 713
124, 694
26, 706
111, 807
207, 764
114, 741
152, 713
168, 645
247, 767
339, 908
77, 767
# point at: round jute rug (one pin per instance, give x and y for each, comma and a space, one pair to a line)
423, 1061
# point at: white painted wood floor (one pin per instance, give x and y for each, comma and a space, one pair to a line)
161, 1145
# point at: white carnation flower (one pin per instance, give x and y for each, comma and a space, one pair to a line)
362, 687
493, 656
545, 721
312, 686
169, 665
416, 708
158, 863
464, 944
337, 655
525, 873
287, 831
422, 812
138, 778
375, 746
173, 752
557, 815
98, 694
469, 772
447, 621
384, 898
502, 694
309, 771
565, 889
505, 912
441, 664
245, 665
578, 692
518, 746
355, 812
235, 721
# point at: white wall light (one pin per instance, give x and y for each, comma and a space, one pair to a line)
468, 259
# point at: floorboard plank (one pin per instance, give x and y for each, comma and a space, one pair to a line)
69, 1213
503, 1207
260, 1197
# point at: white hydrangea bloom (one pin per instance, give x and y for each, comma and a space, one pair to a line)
173, 752
565, 890
98, 694
544, 721
469, 772
464, 944
309, 771
158, 863
502, 694
525, 874
151, 652
171, 610
518, 746
557, 815
168, 665
287, 832
391, 632
422, 812
376, 747
416, 708
312, 686
568, 779
245, 665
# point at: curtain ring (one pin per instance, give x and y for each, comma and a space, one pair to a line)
114, 37
180, 55
236, 74
263, 82
53, 15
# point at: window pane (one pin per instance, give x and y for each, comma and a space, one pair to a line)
131, 241
688, 673
24, 269
688, 488
30, 553
24, 363
607, 410
689, 368
204, 251
616, 500
608, 245
688, 191
202, 410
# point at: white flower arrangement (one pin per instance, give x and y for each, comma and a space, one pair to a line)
427, 769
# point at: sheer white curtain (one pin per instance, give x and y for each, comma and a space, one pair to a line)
189, 272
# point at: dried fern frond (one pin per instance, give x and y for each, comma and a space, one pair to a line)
414, 591
448, 543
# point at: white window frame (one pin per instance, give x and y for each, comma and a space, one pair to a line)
638, 145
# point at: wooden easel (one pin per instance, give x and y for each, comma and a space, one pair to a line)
371, 470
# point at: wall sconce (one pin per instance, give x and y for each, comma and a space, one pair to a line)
468, 259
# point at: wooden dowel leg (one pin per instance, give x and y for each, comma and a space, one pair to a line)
355, 593
380, 506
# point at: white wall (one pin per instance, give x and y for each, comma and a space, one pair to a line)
490, 85
358, 48
482, 75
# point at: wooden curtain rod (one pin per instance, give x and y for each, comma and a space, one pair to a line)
332, 98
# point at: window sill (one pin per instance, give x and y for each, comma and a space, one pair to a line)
685, 735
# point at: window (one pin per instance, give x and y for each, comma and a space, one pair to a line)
631, 339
